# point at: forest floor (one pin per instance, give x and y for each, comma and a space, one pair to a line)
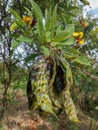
18, 117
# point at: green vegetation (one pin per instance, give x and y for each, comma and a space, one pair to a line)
56, 46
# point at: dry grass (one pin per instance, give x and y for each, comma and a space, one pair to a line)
18, 117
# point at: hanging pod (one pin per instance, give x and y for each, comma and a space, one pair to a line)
69, 106
68, 103
49, 86
54, 87
39, 81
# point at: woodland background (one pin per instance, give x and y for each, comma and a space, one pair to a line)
16, 62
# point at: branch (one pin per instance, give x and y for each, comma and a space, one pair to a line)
89, 74
20, 7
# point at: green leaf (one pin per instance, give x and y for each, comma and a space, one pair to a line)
24, 39
96, 107
67, 42
58, 30
15, 43
20, 39
82, 60
70, 53
36, 10
48, 37
53, 21
20, 24
45, 51
13, 35
30, 13
86, 2
47, 19
96, 30
65, 34
40, 24
30, 58
70, 29
71, 50
13, 26
16, 15
41, 31
61, 36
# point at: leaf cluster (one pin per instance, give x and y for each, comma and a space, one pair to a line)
49, 34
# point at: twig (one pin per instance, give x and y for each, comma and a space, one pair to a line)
89, 74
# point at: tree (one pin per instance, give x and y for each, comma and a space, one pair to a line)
54, 39
8, 58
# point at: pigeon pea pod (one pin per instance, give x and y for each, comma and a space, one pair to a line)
55, 99
40, 82
69, 106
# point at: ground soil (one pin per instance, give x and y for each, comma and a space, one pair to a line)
18, 117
